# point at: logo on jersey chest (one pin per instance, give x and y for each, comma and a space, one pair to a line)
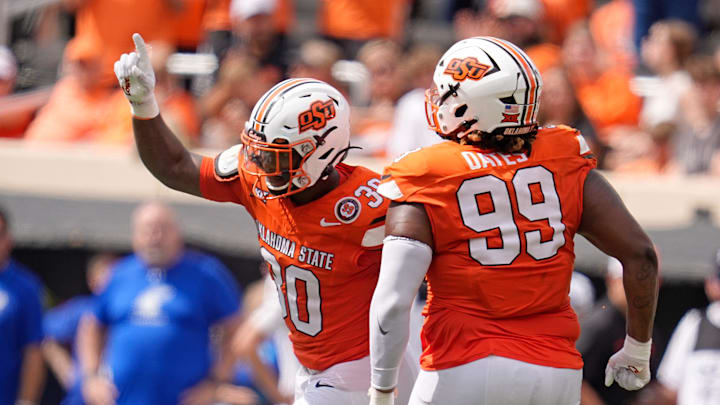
347, 209
148, 306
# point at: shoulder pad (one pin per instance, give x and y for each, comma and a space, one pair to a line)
564, 140
413, 170
226, 163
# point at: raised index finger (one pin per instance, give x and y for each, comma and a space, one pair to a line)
140, 47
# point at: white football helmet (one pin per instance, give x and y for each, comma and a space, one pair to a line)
483, 84
296, 131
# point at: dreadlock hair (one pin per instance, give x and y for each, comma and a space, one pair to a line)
497, 140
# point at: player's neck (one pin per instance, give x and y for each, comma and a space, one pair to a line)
318, 190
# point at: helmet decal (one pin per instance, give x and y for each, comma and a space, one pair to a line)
510, 118
264, 106
529, 74
466, 68
511, 114
317, 116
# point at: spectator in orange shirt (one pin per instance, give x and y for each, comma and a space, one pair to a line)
560, 105
82, 105
209, 22
109, 23
611, 25
352, 23
602, 86
560, 15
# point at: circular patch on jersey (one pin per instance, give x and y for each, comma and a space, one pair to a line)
347, 209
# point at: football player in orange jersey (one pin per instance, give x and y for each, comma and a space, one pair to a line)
489, 217
320, 223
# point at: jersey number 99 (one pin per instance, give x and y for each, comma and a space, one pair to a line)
502, 217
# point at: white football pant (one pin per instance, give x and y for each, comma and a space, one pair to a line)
348, 383
498, 381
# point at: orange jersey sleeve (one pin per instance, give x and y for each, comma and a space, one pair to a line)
503, 227
221, 179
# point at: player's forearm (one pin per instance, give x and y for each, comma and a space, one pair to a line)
640, 279
266, 379
608, 225
165, 156
90, 337
59, 361
223, 367
389, 335
32, 375
404, 264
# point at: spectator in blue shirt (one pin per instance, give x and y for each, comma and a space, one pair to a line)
148, 340
21, 364
60, 328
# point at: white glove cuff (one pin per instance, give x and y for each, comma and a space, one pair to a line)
146, 110
640, 350
381, 398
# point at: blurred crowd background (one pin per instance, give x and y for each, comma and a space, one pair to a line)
639, 78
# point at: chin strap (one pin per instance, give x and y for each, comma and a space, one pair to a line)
339, 157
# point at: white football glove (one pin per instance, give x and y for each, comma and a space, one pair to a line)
630, 366
137, 79
381, 398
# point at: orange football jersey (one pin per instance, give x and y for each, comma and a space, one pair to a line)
324, 256
503, 227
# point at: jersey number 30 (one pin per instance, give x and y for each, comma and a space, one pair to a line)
313, 325
502, 217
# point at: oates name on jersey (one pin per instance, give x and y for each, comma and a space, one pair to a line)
478, 160
313, 257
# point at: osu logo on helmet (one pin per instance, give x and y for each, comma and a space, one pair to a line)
466, 68
316, 117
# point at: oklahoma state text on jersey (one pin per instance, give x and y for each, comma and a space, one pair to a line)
503, 227
324, 255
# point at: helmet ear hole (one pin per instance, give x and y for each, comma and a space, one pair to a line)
460, 111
